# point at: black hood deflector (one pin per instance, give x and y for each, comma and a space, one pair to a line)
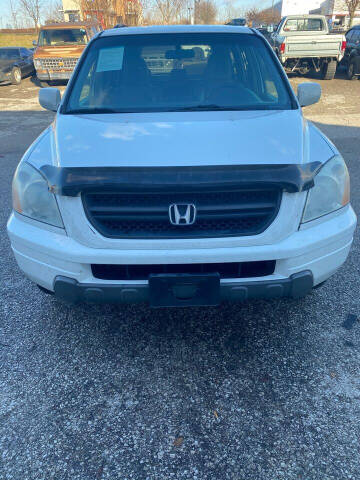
70, 181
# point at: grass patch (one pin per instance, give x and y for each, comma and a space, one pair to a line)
17, 39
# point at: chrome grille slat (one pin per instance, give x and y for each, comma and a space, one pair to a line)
59, 63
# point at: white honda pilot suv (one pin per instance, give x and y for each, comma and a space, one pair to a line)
180, 171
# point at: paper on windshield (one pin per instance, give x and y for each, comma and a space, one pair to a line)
110, 59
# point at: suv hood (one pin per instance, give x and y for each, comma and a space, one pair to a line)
55, 51
182, 139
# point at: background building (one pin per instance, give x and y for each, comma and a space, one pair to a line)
71, 9
298, 7
107, 12
336, 11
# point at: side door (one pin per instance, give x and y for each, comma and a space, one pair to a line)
348, 49
19, 60
27, 61
356, 42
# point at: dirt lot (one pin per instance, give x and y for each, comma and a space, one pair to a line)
265, 390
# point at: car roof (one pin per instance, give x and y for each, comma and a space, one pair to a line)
176, 29
310, 15
11, 48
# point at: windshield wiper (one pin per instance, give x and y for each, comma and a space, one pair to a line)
195, 108
91, 110
220, 108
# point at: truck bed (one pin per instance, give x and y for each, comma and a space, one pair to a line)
313, 46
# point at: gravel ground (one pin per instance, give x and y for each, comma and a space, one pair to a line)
257, 391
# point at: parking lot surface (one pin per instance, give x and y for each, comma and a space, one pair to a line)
264, 390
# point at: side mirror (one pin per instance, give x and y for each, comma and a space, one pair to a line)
49, 98
34, 42
308, 93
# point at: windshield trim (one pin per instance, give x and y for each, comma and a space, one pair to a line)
293, 99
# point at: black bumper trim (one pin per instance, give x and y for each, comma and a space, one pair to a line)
73, 292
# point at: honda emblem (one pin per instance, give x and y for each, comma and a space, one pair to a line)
182, 214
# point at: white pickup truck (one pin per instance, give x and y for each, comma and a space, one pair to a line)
303, 44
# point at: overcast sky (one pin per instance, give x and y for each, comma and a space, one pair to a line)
237, 4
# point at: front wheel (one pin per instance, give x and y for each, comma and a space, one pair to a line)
350, 72
15, 76
328, 70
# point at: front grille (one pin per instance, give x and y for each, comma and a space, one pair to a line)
146, 215
225, 270
59, 63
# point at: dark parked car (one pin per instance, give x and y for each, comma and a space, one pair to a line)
15, 63
352, 53
266, 31
237, 22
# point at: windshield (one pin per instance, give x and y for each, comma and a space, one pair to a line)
9, 53
62, 36
178, 72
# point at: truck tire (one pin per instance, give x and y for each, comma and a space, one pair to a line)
328, 70
15, 76
350, 71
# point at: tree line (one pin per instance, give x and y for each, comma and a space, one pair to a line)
26, 13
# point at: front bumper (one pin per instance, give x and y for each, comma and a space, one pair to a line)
5, 77
47, 75
45, 254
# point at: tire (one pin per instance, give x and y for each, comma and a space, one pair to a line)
328, 70
350, 71
15, 77
312, 73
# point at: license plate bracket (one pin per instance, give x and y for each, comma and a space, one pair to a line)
184, 290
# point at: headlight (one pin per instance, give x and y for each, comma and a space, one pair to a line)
37, 63
331, 190
31, 196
